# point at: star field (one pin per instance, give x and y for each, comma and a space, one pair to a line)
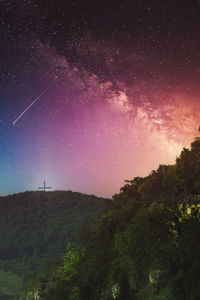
123, 91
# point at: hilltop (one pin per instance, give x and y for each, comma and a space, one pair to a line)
38, 225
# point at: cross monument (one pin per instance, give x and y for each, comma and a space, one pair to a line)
44, 188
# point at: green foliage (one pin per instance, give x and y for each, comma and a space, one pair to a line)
72, 260
144, 246
38, 225
10, 283
147, 245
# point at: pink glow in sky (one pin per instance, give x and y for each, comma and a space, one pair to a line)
90, 132
97, 134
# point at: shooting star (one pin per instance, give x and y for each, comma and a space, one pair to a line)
30, 106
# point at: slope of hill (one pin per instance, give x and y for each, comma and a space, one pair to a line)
38, 225
146, 243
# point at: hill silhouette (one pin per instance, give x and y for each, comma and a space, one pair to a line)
38, 225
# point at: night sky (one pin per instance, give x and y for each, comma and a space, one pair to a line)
121, 91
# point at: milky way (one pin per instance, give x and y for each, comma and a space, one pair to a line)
123, 97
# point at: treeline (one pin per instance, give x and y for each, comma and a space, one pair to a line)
144, 243
37, 225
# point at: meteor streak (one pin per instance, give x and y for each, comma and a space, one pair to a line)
30, 106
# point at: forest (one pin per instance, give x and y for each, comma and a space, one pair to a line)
35, 226
143, 244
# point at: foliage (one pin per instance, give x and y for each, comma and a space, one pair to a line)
72, 259
37, 225
10, 283
144, 246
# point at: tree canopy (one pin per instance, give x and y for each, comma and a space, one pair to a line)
144, 243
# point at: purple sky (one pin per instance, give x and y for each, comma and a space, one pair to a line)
119, 102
